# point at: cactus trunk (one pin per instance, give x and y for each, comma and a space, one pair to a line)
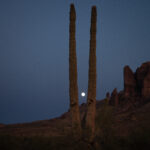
91, 98
73, 86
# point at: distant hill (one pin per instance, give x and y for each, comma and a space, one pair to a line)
129, 115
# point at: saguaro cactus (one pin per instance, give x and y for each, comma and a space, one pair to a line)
73, 86
91, 97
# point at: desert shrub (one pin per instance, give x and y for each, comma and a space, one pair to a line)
104, 127
139, 139
104, 121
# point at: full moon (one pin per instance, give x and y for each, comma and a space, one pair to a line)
83, 94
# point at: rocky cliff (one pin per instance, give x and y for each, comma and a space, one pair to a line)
136, 85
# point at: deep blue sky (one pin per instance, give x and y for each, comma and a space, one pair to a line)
34, 41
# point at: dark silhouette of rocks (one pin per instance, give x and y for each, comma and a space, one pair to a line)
136, 86
146, 86
107, 97
129, 82
141, 76
73, 85
114, 98
91, 97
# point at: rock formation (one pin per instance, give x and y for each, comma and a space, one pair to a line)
146, 86
138, 83
107, 97
136, 86
114, 100
73, 86
129, 82
91, 97
140, 75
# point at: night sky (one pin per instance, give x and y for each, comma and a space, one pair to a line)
34, 52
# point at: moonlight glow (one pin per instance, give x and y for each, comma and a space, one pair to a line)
83, 94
